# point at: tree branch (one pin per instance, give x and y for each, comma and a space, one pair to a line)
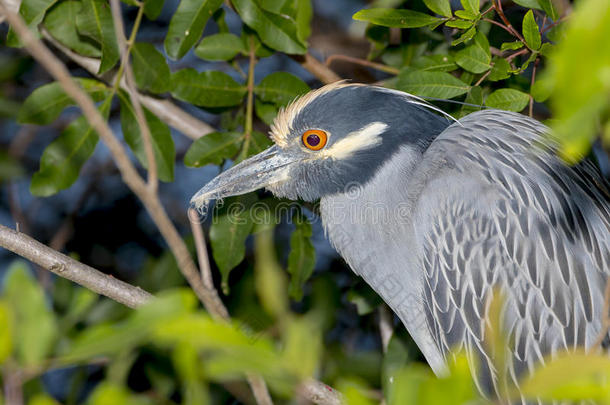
317, 68
65, 266
125, 48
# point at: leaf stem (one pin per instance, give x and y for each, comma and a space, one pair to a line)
130, 43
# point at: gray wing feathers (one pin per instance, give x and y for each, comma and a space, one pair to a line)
496, 208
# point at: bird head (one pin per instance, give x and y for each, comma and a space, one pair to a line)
329, 138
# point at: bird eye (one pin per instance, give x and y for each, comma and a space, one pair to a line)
314, 139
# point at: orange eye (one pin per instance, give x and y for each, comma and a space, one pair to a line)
314, 139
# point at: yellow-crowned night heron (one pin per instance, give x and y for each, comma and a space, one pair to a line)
436, 215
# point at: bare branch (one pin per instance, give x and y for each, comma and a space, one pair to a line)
317, 68
166, 110
69, 268
125, 47
386, 329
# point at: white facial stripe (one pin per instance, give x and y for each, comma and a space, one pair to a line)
364, 138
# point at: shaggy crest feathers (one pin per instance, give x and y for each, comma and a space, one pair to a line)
282, 125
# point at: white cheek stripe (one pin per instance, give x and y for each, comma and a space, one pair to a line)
364, 138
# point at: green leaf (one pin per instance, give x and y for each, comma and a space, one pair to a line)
273, 6
153, 8
265, 111
500, 70
389, 17
6, 331
508, 99
10, 167
162, 142
111, 393
62, 160
442, 7
228, 233
466, 15
270, 279
258, 143
33, 12
431, 84
95, 21
394, 360
219, 47
531, 32
187, 363
150, 68
471, 6
60, 21
207, 89
529, 4
466, 36
550, 8
34, 324
461, 24
45, 103
280, 88
364, 298
542, 89
474, 97
213, 149
274, 30
441, 63
512, 46
571, 377
302, 345
187, 24
304, 14
302, 257
474, 59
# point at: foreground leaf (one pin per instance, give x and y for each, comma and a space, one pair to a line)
62, 160
508, 99
219, 47
280, 88
6, 331
389, 17
34, 322
33, 12
431, 84
162, 141
531, 32
302, 257
95, 21
44, 105
473, 59
60, 21
207, 89
187, 24
274, 30
442, 7
213, 149
231, 226
150, 68
270, 279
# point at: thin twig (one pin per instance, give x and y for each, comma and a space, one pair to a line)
498, 6
531, 109
319, 393
202, 251
66, 267
167, 111
482, 78
317, 68
250, 100
363, 62
125, 48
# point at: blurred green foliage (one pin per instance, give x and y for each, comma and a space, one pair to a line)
478, 54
